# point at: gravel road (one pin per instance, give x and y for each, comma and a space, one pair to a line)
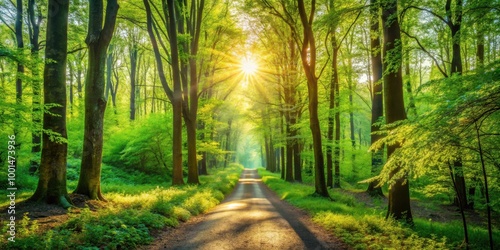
251, 217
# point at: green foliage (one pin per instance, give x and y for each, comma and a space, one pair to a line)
362, 227
127, 221
143, 145
466, 106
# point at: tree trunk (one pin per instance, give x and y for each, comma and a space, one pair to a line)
133, 69
36, 118
336, 151
228, 147
176, 100
20, 67
175, 95
455, 24
192, 20
399, 192
308, 56
52, 181
110, 87
289, 154
332, 111
377, 100
352, 131
202, 164
282, 163
297, 166
192, 154
79, 85
98, 39
412, 109
20, 47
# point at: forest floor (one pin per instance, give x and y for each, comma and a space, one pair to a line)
49, 216
439, 213
251, 217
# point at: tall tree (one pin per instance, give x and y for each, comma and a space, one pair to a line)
20, 47
175, 94
100, 32
308, 56
133, 72
454, 22
34, 22
52, 181
377, 97
189, 23
399, 192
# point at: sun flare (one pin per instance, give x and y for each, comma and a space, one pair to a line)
249, 66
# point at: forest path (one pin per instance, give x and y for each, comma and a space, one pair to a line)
251, 217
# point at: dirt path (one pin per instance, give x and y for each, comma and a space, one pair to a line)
251, 217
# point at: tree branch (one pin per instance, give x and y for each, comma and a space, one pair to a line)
426, 51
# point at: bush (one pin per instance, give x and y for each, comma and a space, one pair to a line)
143, 145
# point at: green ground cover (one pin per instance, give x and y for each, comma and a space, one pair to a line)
363, 227
135, 208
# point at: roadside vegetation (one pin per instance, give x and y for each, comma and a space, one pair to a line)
363, 226
138, 205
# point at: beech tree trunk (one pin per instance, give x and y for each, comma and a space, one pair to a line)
175, 95
308, 56
297, 166
189, 23
332, 143
133, 70
336, 151
52, 181
399, 192
20, 46
377, 100
98, 39
36, 114
455, 23
289, 154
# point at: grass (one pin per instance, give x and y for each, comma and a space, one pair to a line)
130, 216
364, 227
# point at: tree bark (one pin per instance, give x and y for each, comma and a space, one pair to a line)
52, 181
308, 56
399, 192
352, 131
98, 39
36, 118
455, 24
175, 95
20, 47
297, 166
377, 100
289, 154
133, 70
332, 144
192, 19
336, 151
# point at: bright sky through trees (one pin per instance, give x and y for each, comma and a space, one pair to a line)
249, 66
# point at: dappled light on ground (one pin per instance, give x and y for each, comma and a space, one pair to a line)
250, 218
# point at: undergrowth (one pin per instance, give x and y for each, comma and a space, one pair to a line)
129, 217
362, 227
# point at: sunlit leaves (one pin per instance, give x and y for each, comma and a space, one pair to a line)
447, 130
